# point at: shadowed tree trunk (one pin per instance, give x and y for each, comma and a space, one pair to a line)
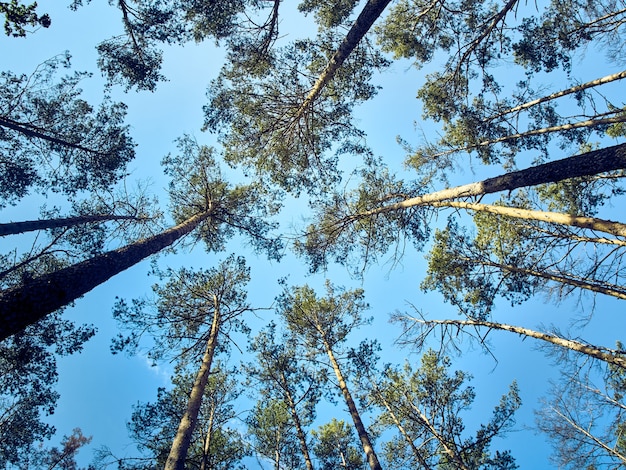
14, 228
34, 299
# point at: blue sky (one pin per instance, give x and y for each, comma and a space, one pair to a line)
98, 389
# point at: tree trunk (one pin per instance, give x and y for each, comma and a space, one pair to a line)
14, 228
591, 223
372, 459
182, 440
586, 164
296, 420
31, 301
594, 286
207, 442
604, 354
370, 13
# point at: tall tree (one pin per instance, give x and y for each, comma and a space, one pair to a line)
323, 325
336, 446
429, 403
281, 375
192, 313
201, 200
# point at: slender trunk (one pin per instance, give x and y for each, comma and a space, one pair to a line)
604, 354
31, 301
586, 164
396, 421
14, 228
296, 420
590, 123
34, 132
372, 459
591, 223
594, 286
370, 13
207, 441
558, 94
182, 440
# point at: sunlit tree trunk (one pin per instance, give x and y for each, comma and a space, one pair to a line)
299, 430
591, 223
182, 440
35, 298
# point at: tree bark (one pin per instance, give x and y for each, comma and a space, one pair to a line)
372, 459
591, 223
586, 164
31, 301
296, 420
599, 287
370, 13
182, 440
603, 354
14, 228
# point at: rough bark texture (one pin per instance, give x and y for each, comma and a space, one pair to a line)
371, 11
586, 164
14, 228
368, 448
592, 223
182, 440
31, 301
604, 354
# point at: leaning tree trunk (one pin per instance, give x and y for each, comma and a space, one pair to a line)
591, 223
368, 448
610, 356
182, 440
586, 164
31, 301
370, 13
296, 421
14, 228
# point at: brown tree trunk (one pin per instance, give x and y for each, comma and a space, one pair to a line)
603, 354
586, 164
14, 228
368, 448
296, 420
591, 223
31, 301
182, 440
370, 13
207, 442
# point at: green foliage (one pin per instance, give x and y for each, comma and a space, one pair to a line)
53, 141
430, 403
17, 16
259, 118
271, 431
28, 376
243, 209
153, 425
336, 446
328, 14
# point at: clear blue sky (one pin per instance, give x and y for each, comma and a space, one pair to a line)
98, 389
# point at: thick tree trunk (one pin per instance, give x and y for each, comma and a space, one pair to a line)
591, 223
31, 301
603, 354
182, 440
370, 13
296, 421
586, 164
368, 448
14, 228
